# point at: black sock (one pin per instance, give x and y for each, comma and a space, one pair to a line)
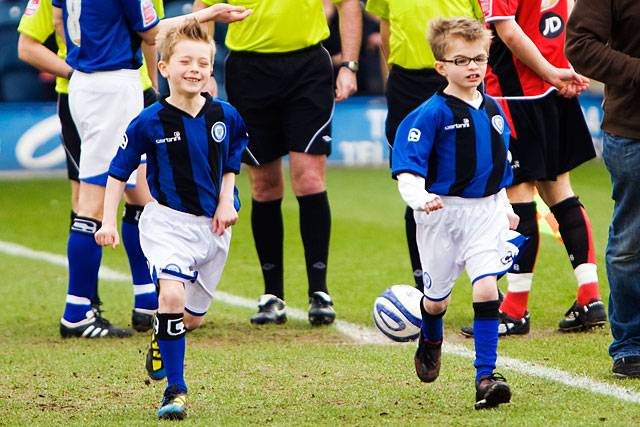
315, 229
268, 235
575, 230
414, 255
528, 227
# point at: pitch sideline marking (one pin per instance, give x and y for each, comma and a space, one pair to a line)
366, 335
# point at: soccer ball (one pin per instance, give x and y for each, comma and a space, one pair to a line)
396, 313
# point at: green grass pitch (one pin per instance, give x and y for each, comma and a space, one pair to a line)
290, 375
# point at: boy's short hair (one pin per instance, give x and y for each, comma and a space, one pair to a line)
190, 29
442, 30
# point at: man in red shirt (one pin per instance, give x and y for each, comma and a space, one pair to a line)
532, 79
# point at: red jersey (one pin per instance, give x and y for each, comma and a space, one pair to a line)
544, 21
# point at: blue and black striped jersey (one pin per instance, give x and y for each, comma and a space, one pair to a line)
459, 150
102, 35
186, 156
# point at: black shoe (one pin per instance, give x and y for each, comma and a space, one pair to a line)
141, 321
583, 317
427, 360
627, 367
507, 326
153, 363
271, 309
174, 404
93, 326
321, 311
491, 391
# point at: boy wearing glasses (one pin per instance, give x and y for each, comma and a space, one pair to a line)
451, 160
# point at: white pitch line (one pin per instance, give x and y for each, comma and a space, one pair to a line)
365, 335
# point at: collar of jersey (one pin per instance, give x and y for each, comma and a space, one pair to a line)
456, 99
166, 104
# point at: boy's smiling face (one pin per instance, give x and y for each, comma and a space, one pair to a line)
189, 68
468, 77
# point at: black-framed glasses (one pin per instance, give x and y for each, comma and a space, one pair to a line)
464, 60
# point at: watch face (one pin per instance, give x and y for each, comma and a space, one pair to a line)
352, 65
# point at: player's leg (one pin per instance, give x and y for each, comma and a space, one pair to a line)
253, 86
520, 277
144, 291
575, 229
308, 182
170, 331
307, 115
491, 388
84, 254
267, 189
438, 256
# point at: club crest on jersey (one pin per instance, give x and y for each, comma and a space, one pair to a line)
218, 131
124, 142
497, 122
149, 14
548, 4
414, 135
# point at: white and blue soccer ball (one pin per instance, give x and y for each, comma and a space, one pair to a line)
396, 313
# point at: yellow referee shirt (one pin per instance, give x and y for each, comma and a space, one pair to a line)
37, 23
277, 25
409, 21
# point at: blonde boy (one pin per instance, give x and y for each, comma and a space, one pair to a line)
193, 144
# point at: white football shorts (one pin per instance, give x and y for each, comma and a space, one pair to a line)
181, 247
466, 234
102, 105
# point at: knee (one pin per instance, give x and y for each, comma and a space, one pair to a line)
171, 298
266, 188
436, 307
485, 289
307, 181
192, 322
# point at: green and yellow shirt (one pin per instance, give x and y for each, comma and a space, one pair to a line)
277, 25
409, 22
37, 23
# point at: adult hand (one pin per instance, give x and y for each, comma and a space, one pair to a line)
223, 12
346, 84
107, 235
569, 83
225, 216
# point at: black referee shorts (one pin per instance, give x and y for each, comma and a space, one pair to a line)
70, 136
406, 90
286, 100
549, 136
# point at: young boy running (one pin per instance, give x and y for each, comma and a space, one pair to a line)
193, 145
451, 161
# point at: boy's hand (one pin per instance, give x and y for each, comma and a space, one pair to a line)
108, 235
225, 13
514, 220
225, 216
434, 205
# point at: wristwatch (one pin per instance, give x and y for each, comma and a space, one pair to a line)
352, 65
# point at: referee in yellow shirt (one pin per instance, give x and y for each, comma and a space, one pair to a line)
280, 79
36, 26
412, 77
